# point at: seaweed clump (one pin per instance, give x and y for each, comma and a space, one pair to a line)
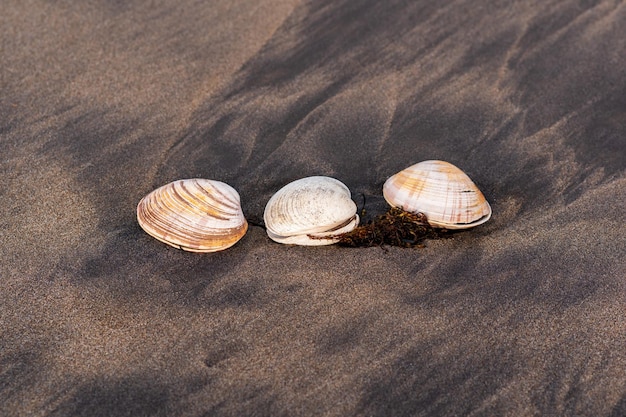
394, 228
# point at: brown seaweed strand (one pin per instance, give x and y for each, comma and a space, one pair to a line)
394, 228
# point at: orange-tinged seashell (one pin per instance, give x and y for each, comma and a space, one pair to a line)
196, 215
440, 190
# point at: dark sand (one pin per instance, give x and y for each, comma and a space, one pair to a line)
103, 101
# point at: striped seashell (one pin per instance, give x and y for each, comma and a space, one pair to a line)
196, 215
310, 211
440, 190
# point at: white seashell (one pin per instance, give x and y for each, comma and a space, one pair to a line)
440, 190
308, 208
196, 215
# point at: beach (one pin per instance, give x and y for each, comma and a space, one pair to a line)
103, 102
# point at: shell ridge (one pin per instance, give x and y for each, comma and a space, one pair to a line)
207, 203
229, 195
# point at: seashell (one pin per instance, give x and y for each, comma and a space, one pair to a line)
196, 215
440, 190
309, 211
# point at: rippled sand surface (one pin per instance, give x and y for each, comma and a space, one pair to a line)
103, 101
